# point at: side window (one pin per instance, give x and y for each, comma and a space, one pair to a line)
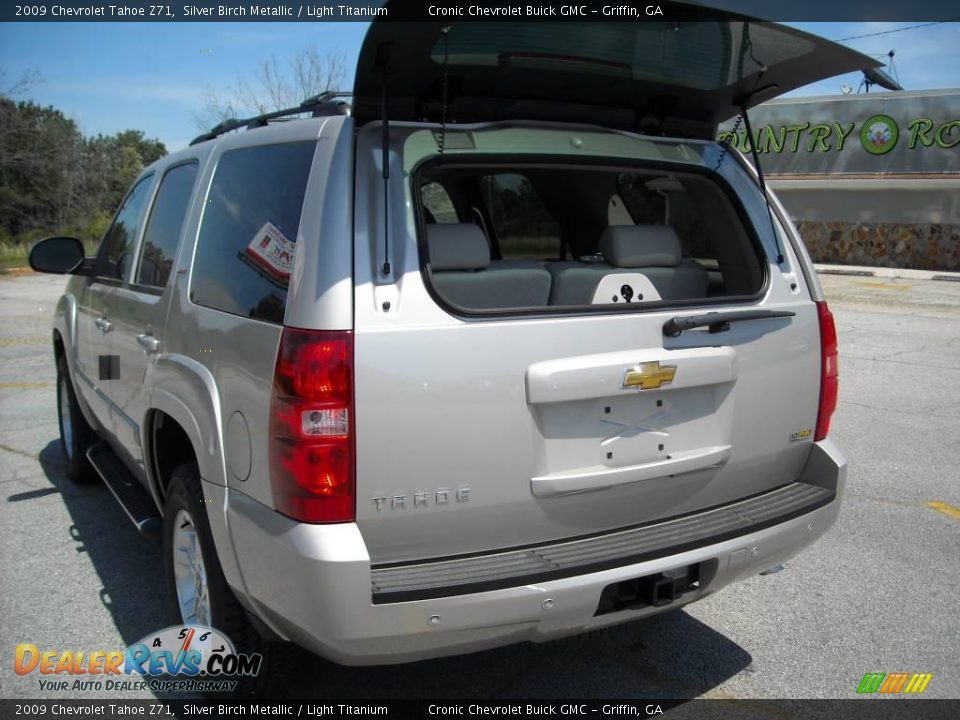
249, 230
162, 234
645, 204
524, 228
665, 201
711, 234
116, 250
438, 204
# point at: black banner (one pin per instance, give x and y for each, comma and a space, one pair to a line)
479, 10
866, 709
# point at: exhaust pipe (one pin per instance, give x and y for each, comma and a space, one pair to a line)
773, 570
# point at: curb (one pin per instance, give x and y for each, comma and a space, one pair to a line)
842, 271
887, 272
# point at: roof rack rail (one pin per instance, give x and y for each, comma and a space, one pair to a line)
326, 103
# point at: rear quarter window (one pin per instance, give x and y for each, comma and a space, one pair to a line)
249, 230
438, 204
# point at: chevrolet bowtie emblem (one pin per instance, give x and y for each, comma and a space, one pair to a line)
648, 376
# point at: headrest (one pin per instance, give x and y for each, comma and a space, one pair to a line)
630, 246
457, 246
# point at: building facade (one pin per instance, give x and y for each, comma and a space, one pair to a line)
869, 179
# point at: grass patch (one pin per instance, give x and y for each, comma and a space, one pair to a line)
14, 254
8, 263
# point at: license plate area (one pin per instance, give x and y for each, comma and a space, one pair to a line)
657, 590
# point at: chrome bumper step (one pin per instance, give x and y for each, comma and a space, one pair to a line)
399, 582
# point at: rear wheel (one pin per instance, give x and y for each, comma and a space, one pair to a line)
76, 435
197, 589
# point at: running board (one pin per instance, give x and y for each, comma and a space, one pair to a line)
132, 496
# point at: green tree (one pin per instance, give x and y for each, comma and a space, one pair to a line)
54, 180
39, 149
117, 160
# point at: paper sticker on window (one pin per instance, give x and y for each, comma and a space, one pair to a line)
271, 254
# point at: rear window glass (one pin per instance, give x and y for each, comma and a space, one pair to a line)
544, 237
706, 55
249, 230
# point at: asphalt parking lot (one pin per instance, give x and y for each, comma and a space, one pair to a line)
879, 593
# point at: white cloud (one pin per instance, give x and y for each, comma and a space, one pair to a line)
145, 91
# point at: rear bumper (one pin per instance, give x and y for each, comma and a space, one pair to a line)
312, 583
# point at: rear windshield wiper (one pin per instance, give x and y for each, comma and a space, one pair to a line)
719, 321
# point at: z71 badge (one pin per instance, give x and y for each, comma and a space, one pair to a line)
800, 435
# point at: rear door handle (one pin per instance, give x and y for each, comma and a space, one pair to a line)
148, 342
104, 325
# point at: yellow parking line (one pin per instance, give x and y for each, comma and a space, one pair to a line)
948, 510
885, 285
28, 340
23, 385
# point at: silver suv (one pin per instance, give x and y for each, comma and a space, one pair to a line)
507, 349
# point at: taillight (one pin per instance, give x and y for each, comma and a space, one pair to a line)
829, 372
311, 426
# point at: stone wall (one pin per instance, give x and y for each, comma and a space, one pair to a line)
919, 246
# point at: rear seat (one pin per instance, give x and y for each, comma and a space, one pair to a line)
653, 250
465, 275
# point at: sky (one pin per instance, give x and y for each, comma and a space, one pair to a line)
111, 77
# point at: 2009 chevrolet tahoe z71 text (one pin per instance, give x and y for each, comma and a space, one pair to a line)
508, 349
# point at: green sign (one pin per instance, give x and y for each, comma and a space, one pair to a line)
902, 132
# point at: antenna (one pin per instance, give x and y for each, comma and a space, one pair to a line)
893, 68
876, 76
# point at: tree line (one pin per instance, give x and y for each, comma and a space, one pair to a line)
55, 180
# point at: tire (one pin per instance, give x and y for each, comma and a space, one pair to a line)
184, 504
76, 435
